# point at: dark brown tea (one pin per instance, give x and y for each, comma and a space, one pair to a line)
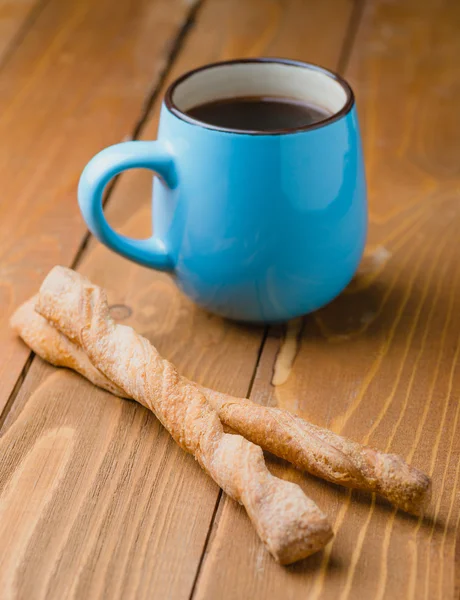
258, 113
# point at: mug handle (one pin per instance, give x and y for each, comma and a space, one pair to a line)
111, 161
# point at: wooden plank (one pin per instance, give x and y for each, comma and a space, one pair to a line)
85, 506
381, 364
76, 83
14, 18
141, 509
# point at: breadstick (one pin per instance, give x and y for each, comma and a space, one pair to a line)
310, 448
54, 347
289, 523
324, 453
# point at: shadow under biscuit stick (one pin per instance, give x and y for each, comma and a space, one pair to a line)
308, 447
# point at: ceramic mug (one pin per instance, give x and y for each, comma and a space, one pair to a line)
254, 226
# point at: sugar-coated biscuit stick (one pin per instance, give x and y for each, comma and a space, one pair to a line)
311, 448
289, 523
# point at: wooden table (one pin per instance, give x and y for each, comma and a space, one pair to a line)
96, 500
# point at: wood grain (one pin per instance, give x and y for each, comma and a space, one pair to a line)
76, 83
129, 513
15, 17
381, 363
85, 505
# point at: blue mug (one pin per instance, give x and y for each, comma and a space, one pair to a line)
256, 226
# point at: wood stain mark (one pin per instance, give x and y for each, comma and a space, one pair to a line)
371, 266
432, 465
19, 520
386, 345
342, 513
363, 530
427, 405
449, 515
389, 399
381, 585
288, 351
368, 317
120, 312
321, 576
357, 551
362, 533
119, 477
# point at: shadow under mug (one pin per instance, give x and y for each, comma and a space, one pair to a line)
255, 226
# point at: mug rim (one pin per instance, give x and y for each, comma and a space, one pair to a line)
346, 108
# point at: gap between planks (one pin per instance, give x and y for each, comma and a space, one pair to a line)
342, 63
23, 30
350, 35
219, 503
349, 38
137, 129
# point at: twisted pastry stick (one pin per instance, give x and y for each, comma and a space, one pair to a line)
324, 453
311, 448
289, 523
54, 347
